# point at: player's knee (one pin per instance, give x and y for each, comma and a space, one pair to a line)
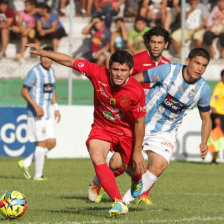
51, 144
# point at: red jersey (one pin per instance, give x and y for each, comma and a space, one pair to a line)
143, 62
11, 14
115, 108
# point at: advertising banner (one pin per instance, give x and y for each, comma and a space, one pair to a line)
14, 140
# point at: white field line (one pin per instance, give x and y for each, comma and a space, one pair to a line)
184, 220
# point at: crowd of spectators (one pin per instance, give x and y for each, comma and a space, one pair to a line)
40, 20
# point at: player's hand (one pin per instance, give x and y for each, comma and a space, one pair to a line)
204, 150
39, 111
57, 116
36, 48
139, 161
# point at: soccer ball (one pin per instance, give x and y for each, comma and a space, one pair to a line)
13, 204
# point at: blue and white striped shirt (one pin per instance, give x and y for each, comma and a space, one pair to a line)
41, 84
171, 97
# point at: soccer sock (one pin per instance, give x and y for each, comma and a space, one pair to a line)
39, 156
148, 180
96, 180
136, 178
147, 192
108, 181
28, 160
118, 172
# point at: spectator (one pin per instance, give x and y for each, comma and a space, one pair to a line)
108, 8
100, 40
215, 28
217, 107
119, 37
196, 19
7, 20
172, 20
48, 26
132, 8
135, 37
25, 26
156, 10
86, 7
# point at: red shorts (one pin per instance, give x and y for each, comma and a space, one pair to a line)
122, 144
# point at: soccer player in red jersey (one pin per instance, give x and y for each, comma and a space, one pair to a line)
119, 123
156, 41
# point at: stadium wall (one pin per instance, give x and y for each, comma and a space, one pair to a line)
73, 131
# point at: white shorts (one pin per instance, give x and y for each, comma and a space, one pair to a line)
40, 129
162, 143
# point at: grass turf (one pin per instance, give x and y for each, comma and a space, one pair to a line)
185, 193
82, 92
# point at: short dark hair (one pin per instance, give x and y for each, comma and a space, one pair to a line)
156, 31
48, 48
140, 18
119, 19
44, 5
222, 73
31, 2
100, 17
199, 52
122, 57
4, 1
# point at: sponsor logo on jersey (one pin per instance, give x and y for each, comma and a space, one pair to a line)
81, 65
140, 108
113, 101
168, 144
147, 64
173, 104
102, 91
111, 116
48, 88
203, 101
155, 78
180, 88
191, 94
103, 84
124, 102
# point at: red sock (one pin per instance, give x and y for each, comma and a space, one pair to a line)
136, 178
108, 181
118, 172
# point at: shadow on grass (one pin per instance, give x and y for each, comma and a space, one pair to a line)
91, 211
84, 198
10, 177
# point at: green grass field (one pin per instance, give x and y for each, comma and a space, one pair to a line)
185, 193
82, 92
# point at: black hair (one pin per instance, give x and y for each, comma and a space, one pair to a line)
122, 57
156, 31
3, 1
199, 52
222, 73
32, 2
119, 19
140, 18
100, 17
48, 48
44, 5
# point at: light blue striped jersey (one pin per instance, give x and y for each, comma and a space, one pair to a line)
41, 85
171, 97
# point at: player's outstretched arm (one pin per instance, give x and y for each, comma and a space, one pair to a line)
60, 58
205, 132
